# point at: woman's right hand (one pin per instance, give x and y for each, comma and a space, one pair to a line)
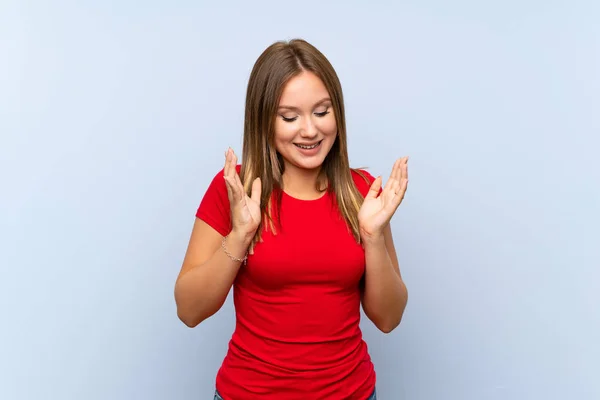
245, 210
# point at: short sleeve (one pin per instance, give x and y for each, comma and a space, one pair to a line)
363, 181
214, 206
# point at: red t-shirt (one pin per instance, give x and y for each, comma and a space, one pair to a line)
297, 304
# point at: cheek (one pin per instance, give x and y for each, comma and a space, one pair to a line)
284, 132
327, 126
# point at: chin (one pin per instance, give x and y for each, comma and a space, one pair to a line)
308, 165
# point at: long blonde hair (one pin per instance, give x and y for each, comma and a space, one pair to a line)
278, 63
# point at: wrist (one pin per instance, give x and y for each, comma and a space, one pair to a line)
241, 238
373, 241
235, 247
372, 238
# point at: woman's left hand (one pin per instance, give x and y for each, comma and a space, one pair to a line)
377, 209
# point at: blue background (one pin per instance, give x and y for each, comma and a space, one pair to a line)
114, 116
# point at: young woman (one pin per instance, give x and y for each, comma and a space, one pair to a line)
302, 238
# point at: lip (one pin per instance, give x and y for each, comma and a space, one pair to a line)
310, 152
309, 144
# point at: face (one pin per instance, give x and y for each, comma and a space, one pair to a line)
305, 127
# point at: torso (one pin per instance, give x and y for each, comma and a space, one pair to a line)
297, 303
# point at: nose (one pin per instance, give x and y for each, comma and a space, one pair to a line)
309, 129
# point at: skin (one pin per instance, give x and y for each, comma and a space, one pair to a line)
304, 117
385, 295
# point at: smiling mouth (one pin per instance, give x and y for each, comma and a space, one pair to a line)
308, 147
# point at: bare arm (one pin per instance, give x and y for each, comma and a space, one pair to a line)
207, 273
385, 295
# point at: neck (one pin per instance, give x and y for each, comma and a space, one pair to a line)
301, 183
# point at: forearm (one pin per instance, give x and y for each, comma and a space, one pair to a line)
385, 294
201, 291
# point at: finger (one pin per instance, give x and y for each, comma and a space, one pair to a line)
395, 170
235, 176
390, 184
399, 171
226, 174
231, 192
226, 166
239, 185
404, 180
234, 158
231, 168
256, 191
374, 189
401, 192
232, 163
395, 186
237, 188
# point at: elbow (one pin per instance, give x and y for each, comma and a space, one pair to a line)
385, 324
189, 313
388, 326
388, 322
193, 316
189, 320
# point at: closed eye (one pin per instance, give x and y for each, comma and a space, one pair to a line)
292, 119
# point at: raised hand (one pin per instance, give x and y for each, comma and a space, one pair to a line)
245, 210
377, 209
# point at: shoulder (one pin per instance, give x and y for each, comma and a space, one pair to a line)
362, 179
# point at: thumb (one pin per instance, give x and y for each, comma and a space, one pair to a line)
374, 189
256, 191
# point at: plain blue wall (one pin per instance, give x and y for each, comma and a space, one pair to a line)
115, 115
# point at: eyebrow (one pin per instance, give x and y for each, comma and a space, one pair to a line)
318, 103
